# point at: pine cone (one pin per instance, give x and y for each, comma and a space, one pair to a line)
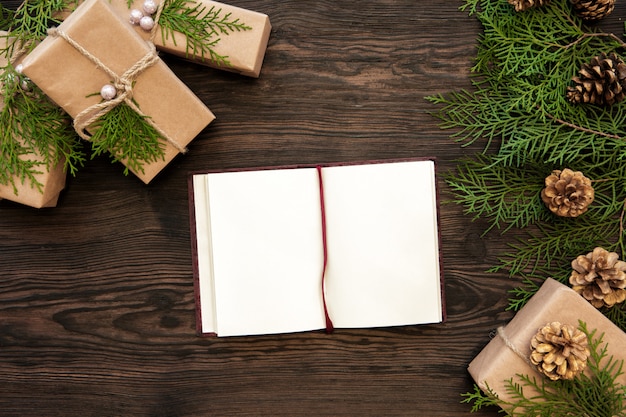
599, 277
559, 351
521, 5
593, 10
602, 81
567, 193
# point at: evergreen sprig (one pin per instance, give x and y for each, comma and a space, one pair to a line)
35, 134
201, 27
518, 110
594, 393
6, 17
30, 22
128, 137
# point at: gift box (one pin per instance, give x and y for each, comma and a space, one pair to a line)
244, 49
77, 59
51, 178
506, 355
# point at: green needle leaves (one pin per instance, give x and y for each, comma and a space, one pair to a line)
518, 110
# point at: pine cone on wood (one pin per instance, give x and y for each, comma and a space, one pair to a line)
600, 277
567, 193
593, 10
559, 351
521, 5
602, 81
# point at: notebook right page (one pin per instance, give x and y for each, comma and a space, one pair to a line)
382, 239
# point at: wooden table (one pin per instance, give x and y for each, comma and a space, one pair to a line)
96, 295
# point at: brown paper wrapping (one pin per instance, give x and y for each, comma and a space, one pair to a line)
52, 179
72, 80
245, 50
554, 301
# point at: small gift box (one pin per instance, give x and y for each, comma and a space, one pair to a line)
240, 36
43, 189
94, 49
24, 192
507, 355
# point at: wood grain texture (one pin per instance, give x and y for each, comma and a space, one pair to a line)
96, 295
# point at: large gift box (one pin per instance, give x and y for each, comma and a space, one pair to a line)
244, 49
73, 64
50, 179
499, 361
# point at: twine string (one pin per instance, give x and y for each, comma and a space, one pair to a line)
157, 16
123, 84
511, 346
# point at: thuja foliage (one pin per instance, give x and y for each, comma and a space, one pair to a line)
34, 136
518, 110
200, 26
6, 17
128, 137
30, 22
596, 392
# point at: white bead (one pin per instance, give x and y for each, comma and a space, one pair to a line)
108, 92
19, 68
150, 6
146, 23
25, 84
135, 16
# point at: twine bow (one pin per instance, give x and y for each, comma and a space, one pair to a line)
123, 84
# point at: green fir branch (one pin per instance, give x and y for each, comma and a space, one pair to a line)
506, 197
552, 247
128, 137
518, 111
201, 27
31, 21
480, 399
35, 134
596, 392
6, 17
530, 284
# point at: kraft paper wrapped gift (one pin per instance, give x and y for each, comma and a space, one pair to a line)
69, 76
52, 179
497, 362
244, 49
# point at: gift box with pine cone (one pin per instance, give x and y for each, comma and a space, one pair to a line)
122, 97
544, 342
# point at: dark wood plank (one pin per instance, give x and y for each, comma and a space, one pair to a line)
96, 295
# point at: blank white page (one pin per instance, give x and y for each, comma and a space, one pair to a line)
266, 251
204, 255
383, 257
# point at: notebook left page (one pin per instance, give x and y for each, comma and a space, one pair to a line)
260, 252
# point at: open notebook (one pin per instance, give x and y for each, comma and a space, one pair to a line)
295, 249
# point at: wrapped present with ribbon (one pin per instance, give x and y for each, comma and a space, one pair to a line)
122, 96
544, 343
207, 32
35, 135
